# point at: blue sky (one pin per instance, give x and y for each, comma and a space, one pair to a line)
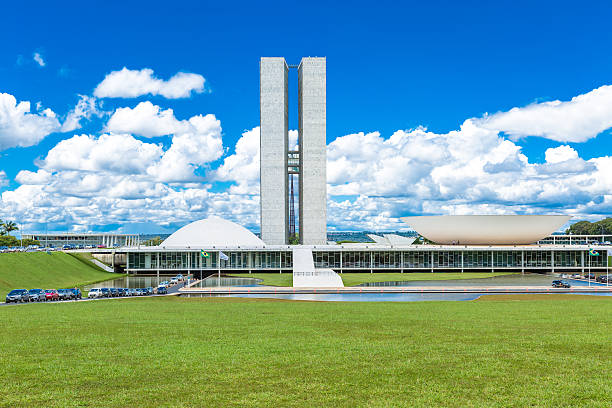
391, 67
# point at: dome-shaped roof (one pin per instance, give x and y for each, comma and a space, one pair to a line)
486, 229
212, 232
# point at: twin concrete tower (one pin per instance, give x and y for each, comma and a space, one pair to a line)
278, 162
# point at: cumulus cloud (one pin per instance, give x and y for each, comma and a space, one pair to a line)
3, 179
128, 83
122, 177
560, 154
146, 120
577, 120
85, 108
195, 141
19, 127
38, 59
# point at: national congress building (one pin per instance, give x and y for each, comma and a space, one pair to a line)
457, 243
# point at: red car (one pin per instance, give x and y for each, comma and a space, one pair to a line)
51, 294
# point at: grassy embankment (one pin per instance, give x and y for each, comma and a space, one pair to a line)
547, 351
352, 279
29, 270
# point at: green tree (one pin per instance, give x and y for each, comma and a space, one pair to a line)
8, 227
591, 228
155, 241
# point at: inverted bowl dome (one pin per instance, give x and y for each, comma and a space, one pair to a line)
486, 229
212, 232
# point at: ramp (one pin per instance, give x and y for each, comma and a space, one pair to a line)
305, 275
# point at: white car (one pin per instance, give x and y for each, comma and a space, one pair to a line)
173, 281
94, 293
163, 284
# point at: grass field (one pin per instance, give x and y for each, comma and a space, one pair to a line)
29, 270
549, 351
352, 279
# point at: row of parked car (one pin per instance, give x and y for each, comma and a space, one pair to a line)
42, 295
119, 292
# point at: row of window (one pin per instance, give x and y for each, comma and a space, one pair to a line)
367, 260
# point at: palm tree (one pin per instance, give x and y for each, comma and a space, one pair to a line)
9, 226
2, 232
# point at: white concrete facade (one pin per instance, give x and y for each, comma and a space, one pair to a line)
313, 158
274, 127
306, 275
486, 229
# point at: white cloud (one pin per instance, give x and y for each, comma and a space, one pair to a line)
195, 141
146, 120
38, 177
560, 154
116, 153
85, 108
242, 167
117, 178
38, 59
578, 120
128, 83
19, 127
3, 179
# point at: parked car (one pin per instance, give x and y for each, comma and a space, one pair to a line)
114, 292
76, 293
174, 281
17, 295
164, 284
149, 290
64, 294
51, 294
37, 295
602, 278
180, 277
94, 293
106, 292
561, 284
162, 290
589, 276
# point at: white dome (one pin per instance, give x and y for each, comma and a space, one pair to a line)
212, 232
486, 229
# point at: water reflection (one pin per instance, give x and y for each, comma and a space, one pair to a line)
503, 280
130, 282
212, 281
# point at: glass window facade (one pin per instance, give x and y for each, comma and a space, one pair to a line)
371, 259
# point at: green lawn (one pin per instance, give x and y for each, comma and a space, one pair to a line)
29, 270
548, 351
352, 279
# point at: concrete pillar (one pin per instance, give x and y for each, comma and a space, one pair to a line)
313, 147
274, 128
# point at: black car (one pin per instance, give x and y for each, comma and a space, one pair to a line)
76, 293
149, 290
114, 292
18, 295
561, 284
589, 276
106, 292
37, 295
162, 290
